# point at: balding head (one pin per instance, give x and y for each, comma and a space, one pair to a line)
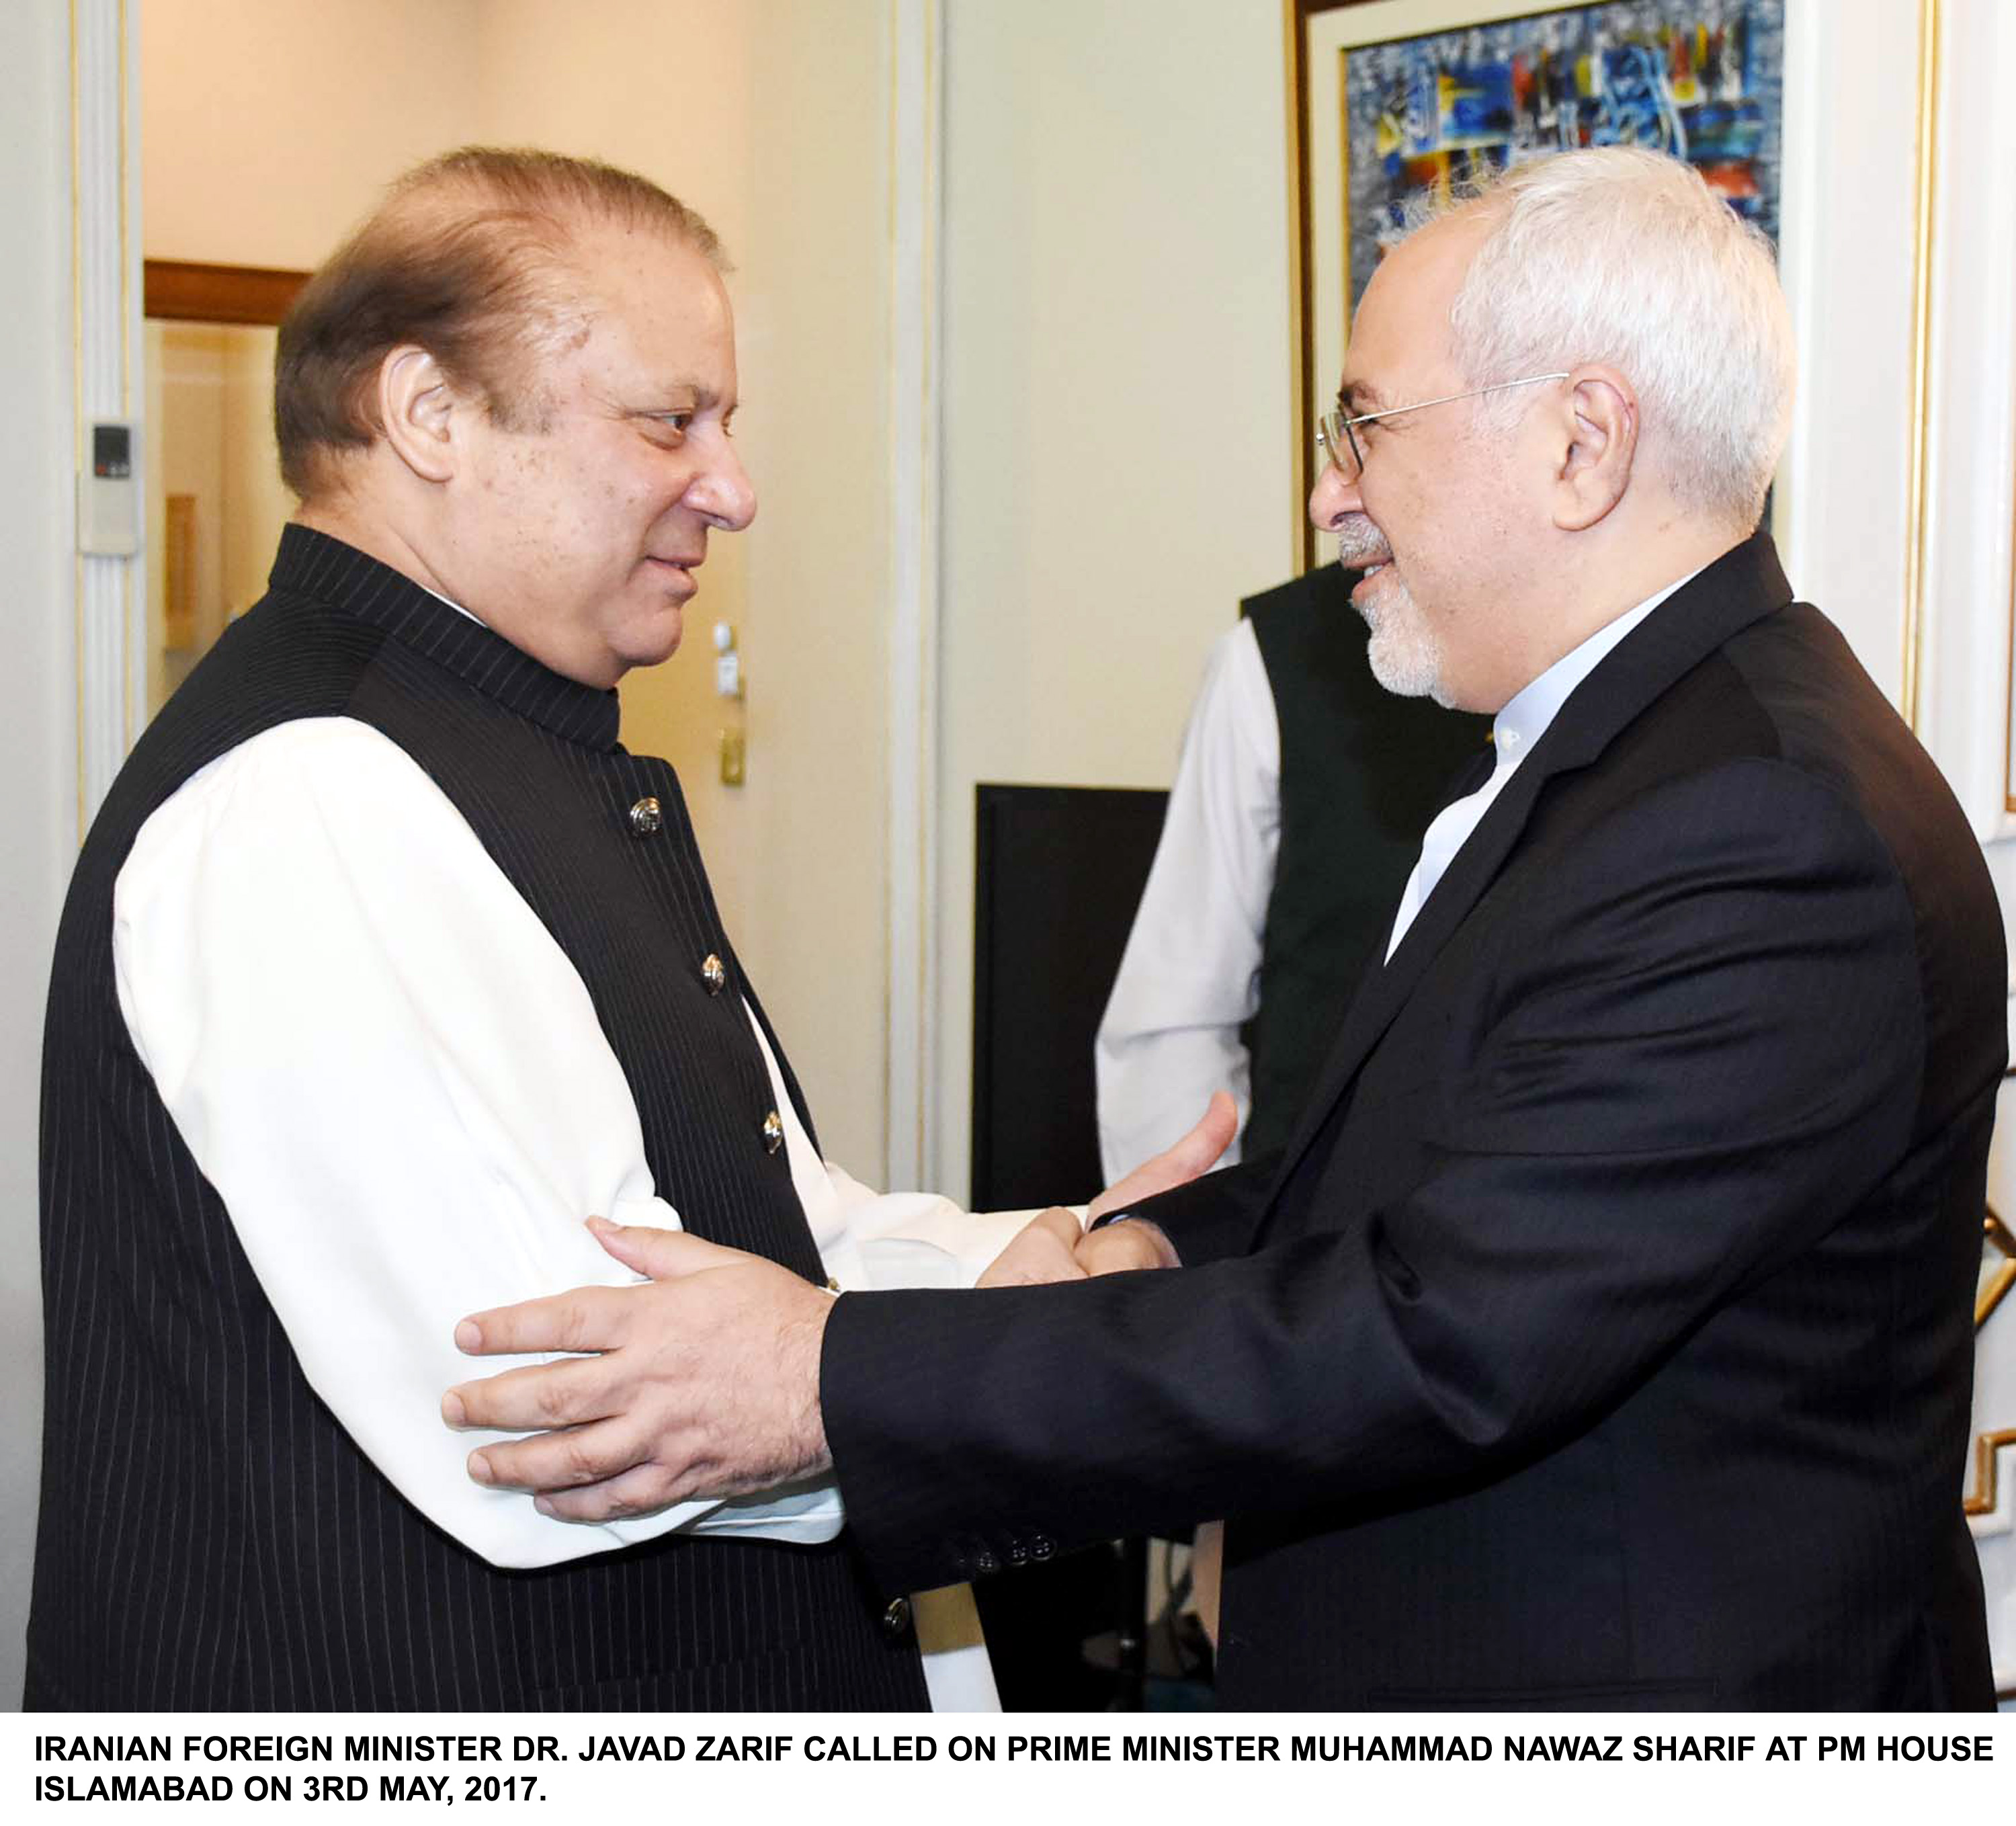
473, 258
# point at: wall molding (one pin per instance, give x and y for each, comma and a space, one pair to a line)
105, 195
1924, 201
192, 291
916, 216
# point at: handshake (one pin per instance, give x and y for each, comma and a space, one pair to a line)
1052, 1247
1055, 1246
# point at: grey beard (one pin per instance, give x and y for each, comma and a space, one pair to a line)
1404, 653
1407, 662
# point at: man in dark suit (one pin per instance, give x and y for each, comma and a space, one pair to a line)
1600, 1338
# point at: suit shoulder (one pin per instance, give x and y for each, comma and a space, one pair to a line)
1780, 743
1831, 722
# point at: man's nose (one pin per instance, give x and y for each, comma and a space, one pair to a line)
1333, 498
724, 492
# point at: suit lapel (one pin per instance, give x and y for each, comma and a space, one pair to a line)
1739, 588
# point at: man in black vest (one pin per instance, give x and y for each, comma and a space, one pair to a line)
383, 965
1602, 1337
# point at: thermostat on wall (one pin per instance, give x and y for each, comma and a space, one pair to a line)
108, 495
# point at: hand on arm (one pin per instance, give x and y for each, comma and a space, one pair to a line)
705, 1379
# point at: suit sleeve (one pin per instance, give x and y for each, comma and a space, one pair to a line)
1701, 1044
1213, 1216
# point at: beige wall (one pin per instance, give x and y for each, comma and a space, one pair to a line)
267, 126
1118, 461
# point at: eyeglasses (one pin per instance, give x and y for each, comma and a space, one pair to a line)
1339, 444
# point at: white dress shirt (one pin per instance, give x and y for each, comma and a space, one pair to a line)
395, 1080
1190, 975
1513, 731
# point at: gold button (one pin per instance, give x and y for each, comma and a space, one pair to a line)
773, 1133
832, 1286
713, 974
646, 816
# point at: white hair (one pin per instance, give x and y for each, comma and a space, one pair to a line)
1626, 257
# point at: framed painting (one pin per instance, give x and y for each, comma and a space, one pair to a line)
1383, 120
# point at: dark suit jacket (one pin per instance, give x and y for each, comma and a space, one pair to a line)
1602, 1337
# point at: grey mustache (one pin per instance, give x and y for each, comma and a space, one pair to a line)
1359, 543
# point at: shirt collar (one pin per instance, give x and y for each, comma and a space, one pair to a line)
1525, 718
313, 564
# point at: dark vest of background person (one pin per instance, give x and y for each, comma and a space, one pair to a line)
211, 1537
1362, 773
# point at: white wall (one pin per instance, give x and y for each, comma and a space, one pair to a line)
37, 734
1119, 441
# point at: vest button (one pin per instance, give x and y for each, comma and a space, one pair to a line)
773, 1133
646, 816
713, 974
896, 1618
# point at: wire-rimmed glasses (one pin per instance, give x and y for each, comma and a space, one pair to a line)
1339, 444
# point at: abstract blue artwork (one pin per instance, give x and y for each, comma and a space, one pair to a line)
1701, 79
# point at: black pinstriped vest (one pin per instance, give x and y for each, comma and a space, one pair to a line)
1362, 773
211, 1537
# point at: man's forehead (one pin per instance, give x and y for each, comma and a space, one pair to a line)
1402, 320
650, 279
664, 327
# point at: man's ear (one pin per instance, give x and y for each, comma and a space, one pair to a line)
1600, 426
420, 410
